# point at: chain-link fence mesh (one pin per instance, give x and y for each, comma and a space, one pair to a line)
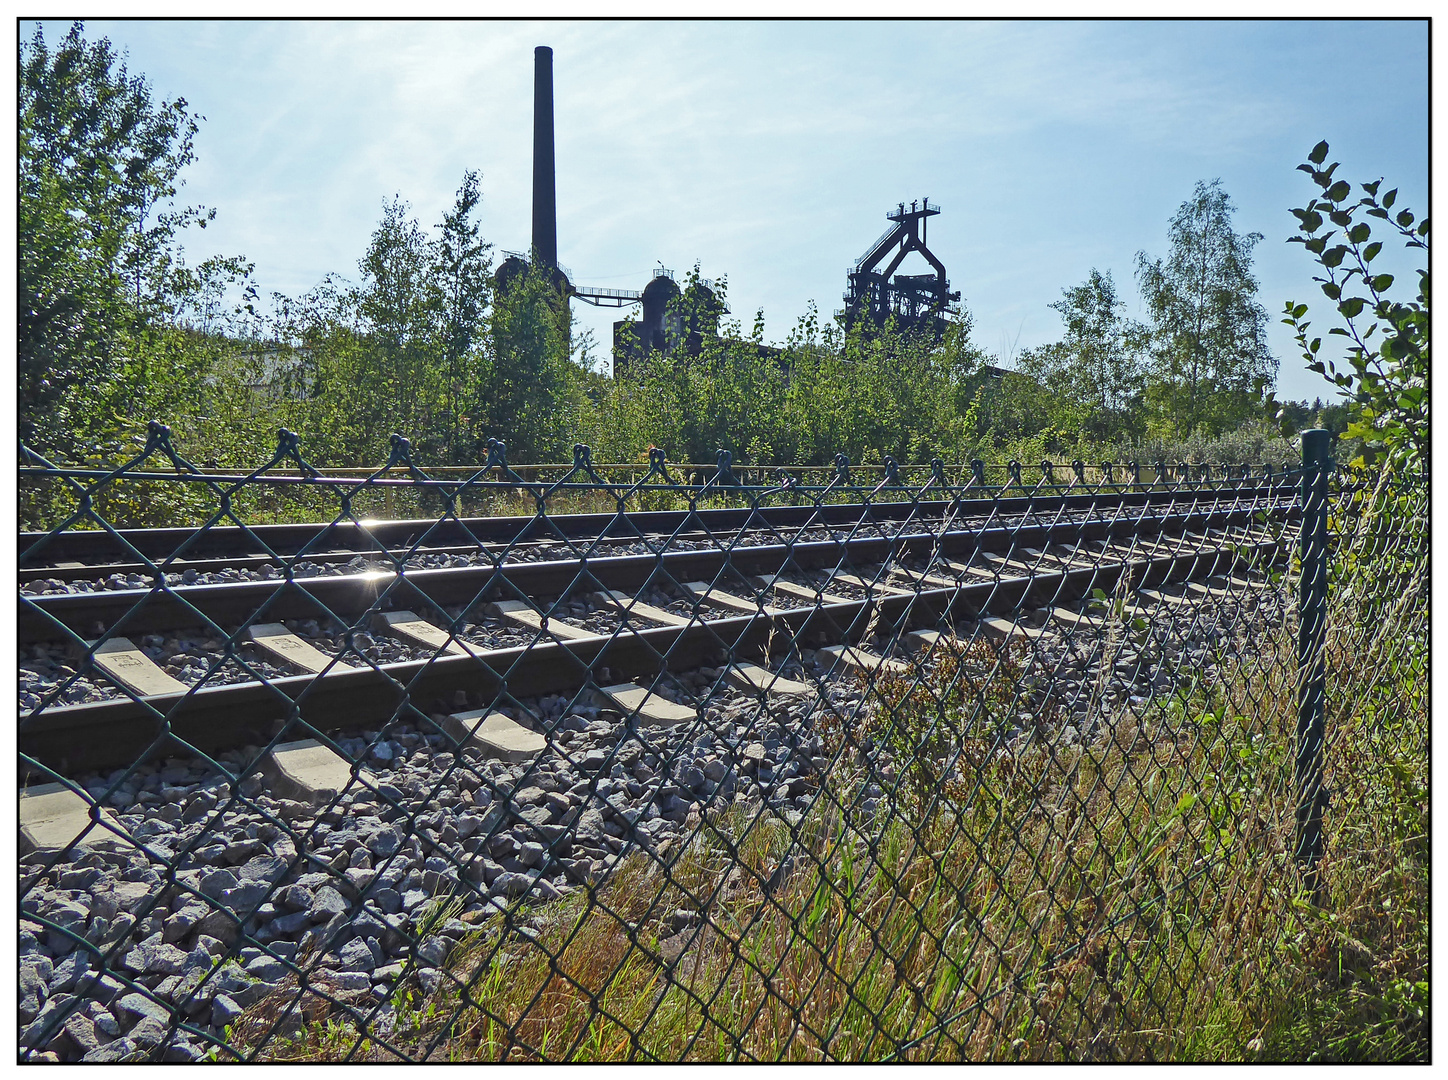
927, 763
1371, 931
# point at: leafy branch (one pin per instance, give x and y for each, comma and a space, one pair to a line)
1386, 372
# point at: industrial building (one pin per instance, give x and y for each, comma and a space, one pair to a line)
672, 318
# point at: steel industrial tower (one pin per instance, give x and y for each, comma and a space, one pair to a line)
916, 300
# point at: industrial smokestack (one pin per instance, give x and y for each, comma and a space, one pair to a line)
545, 199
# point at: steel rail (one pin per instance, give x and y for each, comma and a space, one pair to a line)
74, 571
362, 537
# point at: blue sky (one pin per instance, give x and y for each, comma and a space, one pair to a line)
770, 151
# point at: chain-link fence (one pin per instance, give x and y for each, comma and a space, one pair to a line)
927, 763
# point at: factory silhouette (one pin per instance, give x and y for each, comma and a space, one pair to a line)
673, 319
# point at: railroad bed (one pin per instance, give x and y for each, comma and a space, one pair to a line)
547, 626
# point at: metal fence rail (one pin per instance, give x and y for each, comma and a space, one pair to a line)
923, 763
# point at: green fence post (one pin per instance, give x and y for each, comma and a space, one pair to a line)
1311, 664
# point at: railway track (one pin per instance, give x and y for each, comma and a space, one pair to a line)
480, 629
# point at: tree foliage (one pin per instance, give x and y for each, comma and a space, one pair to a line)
463, 265
395, 351
106, 301
869, 394
1385, 376
1096, 370
1211, 367
529, 391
